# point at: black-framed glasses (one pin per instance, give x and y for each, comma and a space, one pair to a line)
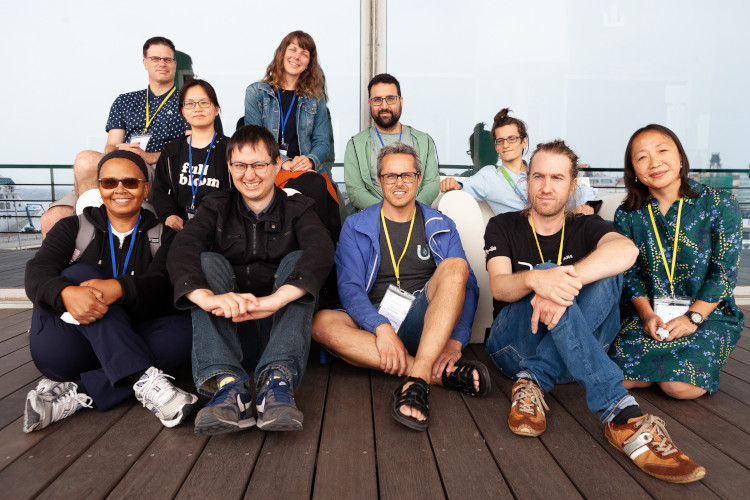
389, 99
240, 168
407, 177
127, 182
157, 59
511, 140
203, 103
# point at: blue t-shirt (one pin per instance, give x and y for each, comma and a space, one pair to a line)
128, 112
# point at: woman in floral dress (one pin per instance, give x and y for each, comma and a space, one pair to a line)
685, 354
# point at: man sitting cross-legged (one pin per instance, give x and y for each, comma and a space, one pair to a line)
408, 292
555, 322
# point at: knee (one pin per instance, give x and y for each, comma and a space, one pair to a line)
286, 265
322, 332
86, 163
681, 390
81, 272
455, 270
54, 214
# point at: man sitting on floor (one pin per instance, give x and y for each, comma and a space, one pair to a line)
556, 279
252, 260
408, 292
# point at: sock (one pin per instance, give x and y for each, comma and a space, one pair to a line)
632, 411
226, 380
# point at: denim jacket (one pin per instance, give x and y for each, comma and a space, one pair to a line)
262, 108
358, 259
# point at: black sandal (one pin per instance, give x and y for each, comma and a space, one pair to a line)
462, 378
414, 396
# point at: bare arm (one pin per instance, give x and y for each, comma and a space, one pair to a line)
614, 254
559, 284
114, 137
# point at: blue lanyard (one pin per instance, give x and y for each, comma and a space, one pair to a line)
381, 139
285, 119
194, 188
112, 247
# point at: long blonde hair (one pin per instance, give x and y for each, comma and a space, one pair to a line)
311, 82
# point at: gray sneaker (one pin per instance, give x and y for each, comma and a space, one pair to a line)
170, 404
52, 401
231, 409
275, 404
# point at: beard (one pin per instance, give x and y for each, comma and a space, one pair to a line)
386, 121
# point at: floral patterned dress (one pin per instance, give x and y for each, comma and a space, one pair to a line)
708, 256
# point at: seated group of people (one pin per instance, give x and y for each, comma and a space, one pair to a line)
229, 274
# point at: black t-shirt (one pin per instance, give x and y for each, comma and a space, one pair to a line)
417, 266
509, 235
290, 131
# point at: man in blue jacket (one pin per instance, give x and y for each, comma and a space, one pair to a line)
408, 292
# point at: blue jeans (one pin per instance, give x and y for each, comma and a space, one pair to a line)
576, 349
224, 348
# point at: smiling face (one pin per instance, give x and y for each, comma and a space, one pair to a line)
656, 160
122, 203
400, 194
385, 115
549, 183
296, 59
199, 117
509, 152
256, 188
161, 72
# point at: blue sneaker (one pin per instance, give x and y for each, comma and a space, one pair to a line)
275, 404
230, 409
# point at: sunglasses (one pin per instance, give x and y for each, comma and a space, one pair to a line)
127, 182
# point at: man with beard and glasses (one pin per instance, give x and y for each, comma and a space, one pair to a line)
360, 160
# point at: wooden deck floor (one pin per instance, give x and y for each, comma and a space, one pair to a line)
351, 447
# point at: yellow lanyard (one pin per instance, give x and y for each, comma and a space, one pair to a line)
150, 120
670, 273
562, 236
390, 249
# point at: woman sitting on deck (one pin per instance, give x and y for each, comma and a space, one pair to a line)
103, 312
681, 322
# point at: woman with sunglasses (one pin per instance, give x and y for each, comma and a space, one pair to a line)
504, 187
290, 101
104, 320
195, 165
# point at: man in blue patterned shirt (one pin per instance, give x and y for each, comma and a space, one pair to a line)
142, 122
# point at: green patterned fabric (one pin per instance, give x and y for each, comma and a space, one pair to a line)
708, 256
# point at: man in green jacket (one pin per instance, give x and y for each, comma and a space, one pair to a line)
360, 160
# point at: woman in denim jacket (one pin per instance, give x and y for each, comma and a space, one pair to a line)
290, 101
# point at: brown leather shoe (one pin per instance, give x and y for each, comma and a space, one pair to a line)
646, 441
527, 411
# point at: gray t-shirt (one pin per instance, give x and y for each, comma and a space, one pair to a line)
375, 147
417, 266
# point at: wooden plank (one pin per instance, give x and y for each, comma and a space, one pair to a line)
15, 379
15, 442
466, 465
224, 467
714, 429
14, 359
741, 355
66, 441
728, 408
573, 397
12, 405
735, 387
744, 341
520, 459
15, 343
346, 456
283, 452
739, 370
406, 464
99, 468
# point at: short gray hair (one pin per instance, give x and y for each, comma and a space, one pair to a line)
399, 148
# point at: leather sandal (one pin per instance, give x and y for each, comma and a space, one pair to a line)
414, 396
462, 378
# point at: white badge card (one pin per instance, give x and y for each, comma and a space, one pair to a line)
141, 139
395, 306
669, 308
283, 150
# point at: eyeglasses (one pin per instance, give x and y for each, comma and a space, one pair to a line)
157, 59
203, 103
127, 182
407, 177
390, 99
511, 140
259, 167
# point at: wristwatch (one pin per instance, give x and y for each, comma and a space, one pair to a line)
695, 317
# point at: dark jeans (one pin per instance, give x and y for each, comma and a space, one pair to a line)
106, 353
222, 347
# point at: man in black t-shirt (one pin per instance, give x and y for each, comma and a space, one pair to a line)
556, 280
408, 292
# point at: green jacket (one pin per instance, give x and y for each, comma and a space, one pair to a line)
363, 192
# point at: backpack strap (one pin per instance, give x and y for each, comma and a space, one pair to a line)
154, 238
84, 237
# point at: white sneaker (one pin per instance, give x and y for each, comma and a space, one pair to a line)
52, 401
170, 404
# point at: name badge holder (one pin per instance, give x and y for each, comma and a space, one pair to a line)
141, 139
190, 212
395, 306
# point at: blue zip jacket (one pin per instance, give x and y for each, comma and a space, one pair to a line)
358, 259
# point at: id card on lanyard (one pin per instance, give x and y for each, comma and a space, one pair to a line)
396, 302
145, 137
194, 186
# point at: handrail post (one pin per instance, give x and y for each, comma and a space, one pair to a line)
52, 181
